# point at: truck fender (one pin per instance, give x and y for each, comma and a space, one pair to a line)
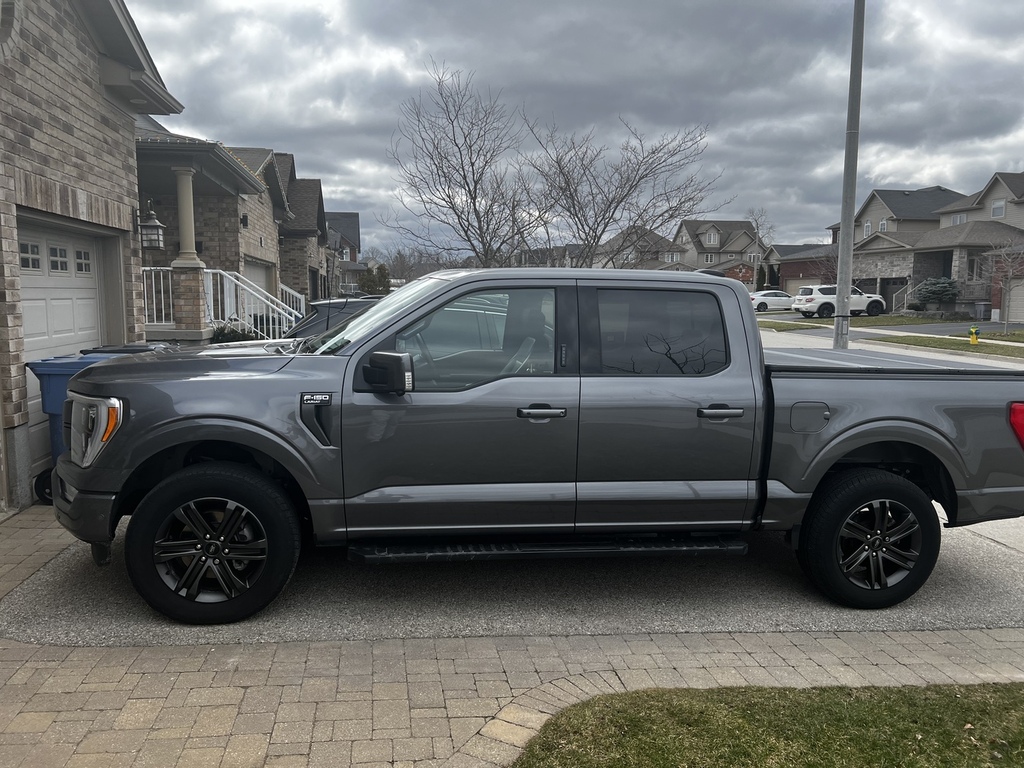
887, 431
238, 431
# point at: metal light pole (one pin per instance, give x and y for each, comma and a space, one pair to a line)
844, 271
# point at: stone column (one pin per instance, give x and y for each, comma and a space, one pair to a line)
187, 284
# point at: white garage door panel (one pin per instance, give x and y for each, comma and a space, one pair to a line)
1016, 310
60, 312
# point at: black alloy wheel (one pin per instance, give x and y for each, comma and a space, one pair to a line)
874, 309
871, 539
826, 310
212, 543
762, 307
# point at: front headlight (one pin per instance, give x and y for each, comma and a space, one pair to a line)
94, 420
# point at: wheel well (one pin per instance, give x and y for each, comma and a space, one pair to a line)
919, 466
170, 460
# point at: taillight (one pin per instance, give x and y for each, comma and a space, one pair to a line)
1017, 421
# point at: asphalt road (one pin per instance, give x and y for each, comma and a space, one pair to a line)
976, 584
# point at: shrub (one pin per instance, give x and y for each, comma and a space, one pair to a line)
938, 290
225, 333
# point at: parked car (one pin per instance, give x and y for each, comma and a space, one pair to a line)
765, 300
820, 300
505, 413
327, 314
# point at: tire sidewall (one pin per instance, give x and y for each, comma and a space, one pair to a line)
256, 492
830, 511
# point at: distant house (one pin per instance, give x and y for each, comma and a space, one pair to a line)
790, 266
639, 248
732, 247
951, 241
343, 239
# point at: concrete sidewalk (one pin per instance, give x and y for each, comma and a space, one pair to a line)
443, 702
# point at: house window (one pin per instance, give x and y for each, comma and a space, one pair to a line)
83, 262
709, 258
975, 269
30, 258
59, 259
882, 225
672, 258
867, 227
999, 208
958, 218
711, 238
752, 257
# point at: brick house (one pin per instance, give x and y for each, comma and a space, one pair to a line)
343, 240
73, 76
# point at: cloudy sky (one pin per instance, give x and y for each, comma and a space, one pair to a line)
942, 95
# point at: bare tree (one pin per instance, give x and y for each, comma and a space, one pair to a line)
607, 202
456, 150
764, 231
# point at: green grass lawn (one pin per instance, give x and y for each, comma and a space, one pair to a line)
955, 343
909, 727
863, 321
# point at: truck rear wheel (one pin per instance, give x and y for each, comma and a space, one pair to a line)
871, 539
213, 543
826, 310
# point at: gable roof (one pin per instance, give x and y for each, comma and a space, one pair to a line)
1013, 181
730, 229
306, 200
126, 68
785, 251
264, 162
344, 226
983, 234
911, 204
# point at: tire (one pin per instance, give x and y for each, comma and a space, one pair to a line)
762, 307
826, 310
43, 487
874, 309
807, 314
182, 566
857, 564
856, 312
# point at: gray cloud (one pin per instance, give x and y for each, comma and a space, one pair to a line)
324, 80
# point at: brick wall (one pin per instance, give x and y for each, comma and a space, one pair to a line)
65, 150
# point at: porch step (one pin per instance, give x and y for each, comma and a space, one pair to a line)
511, 550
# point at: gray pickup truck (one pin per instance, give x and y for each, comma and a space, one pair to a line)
529, 413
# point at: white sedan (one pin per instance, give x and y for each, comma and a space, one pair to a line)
765, 300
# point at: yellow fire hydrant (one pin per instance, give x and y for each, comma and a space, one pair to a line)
974, 333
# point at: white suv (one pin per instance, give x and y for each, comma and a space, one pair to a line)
820, 300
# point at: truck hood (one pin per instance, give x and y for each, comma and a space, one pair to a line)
221, 360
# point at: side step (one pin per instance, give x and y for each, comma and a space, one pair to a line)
607, 547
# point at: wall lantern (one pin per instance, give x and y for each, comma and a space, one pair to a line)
149, 228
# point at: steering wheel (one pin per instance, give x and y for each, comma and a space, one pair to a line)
518, 360
428, 361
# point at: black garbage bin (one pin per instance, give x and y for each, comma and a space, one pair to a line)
54, 373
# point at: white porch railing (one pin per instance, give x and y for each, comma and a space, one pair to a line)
156, 288
231, 299
293, 299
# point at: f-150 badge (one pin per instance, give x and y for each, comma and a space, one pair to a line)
316, 398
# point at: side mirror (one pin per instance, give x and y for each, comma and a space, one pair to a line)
389, 372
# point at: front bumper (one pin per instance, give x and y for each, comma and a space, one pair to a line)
88, 515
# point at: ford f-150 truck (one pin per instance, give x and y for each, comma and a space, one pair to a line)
529, 413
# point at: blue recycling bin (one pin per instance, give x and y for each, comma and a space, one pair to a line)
54, 373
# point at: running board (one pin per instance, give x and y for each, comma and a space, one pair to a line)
612, 547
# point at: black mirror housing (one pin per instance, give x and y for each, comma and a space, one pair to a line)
389, 372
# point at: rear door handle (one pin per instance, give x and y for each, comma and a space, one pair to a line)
719, 411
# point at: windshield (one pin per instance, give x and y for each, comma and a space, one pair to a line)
338, 337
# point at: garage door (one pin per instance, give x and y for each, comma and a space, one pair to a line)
60, 311
792, 286
1015, 312
260, 273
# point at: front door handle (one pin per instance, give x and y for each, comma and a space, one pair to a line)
719, 411
541, 412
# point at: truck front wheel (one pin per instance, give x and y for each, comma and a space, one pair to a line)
213, 543
870, 540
